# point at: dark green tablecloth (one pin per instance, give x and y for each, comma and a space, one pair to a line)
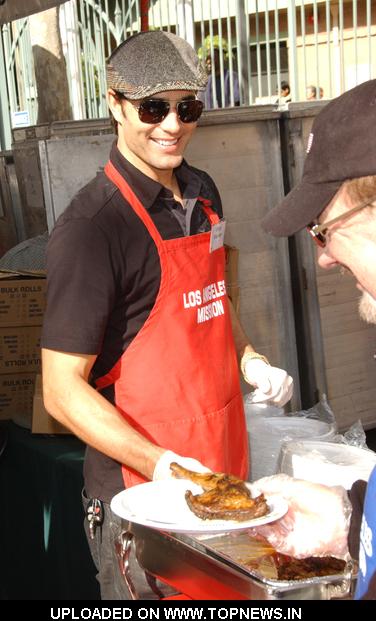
43, 550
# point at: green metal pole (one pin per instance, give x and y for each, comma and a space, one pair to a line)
242, 45
5, 125
293, 59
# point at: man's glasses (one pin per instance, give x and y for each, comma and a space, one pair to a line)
318, 231
155, 110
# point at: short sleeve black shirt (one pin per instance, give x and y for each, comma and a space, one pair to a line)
103, 275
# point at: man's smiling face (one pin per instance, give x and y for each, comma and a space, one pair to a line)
153, 148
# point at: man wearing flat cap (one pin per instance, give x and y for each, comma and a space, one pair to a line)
140, 343
336, 203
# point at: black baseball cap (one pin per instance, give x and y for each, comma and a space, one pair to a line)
341, 146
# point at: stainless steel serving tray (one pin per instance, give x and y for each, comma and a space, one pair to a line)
211, 567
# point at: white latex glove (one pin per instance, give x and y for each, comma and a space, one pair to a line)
272, 384
317, 521
162, 467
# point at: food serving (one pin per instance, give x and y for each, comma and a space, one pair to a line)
285, 567
225, 497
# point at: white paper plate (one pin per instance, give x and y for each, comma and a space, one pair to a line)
162, 505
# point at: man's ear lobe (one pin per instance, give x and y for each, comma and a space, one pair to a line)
111, 99
115, 105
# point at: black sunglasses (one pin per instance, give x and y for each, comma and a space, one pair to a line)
155, 110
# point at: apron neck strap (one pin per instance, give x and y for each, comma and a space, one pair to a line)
206, 206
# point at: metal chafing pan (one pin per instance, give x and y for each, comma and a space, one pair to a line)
215, 567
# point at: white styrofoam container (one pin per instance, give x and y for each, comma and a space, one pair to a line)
329, 463
268, 428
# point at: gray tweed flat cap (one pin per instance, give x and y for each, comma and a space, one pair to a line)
154, 61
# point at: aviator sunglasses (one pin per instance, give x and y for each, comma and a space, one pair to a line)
153, 111
318, 231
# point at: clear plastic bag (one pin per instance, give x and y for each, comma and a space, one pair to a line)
354, 436
317, 521
269, 427
341, 461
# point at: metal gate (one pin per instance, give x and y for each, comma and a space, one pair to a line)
321, 46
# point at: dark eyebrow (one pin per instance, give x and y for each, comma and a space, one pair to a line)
186, 98
119, 95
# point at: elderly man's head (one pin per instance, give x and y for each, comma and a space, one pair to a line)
311, 92
336, 198
346, 235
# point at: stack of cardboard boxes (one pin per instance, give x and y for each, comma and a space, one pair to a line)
22, 303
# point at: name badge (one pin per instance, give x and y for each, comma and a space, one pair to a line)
217, 236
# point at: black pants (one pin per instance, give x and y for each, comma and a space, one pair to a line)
109, 576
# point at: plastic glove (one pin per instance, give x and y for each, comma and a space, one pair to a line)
317, 521
272, 384
162, 467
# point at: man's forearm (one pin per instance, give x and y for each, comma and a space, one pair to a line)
241, 340
84, 411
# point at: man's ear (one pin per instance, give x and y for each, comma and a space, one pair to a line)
115, 105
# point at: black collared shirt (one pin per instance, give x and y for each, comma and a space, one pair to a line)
104, 274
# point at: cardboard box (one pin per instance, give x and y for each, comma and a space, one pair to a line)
231, 266
42, 422
22, 304
22, 301
16, 397
20, 349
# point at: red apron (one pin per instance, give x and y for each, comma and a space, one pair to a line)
178, 383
